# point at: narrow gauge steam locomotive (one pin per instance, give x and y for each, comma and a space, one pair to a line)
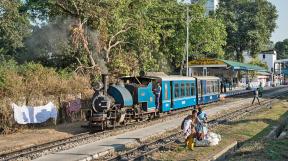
134, 99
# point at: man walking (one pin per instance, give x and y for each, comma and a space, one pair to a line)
256, 95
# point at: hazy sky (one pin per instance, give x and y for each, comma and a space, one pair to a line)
281, 32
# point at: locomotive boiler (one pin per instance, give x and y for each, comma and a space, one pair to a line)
117, 104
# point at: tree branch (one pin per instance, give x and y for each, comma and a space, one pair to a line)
77, 10
65, 9
118, 33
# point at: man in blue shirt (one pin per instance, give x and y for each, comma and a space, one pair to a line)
202, 115
157, 94
201, 128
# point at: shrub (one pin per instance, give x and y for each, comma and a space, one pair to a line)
32, 80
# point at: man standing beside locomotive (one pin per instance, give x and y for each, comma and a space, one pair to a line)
157, 91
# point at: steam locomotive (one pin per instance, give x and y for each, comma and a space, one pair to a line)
134, 100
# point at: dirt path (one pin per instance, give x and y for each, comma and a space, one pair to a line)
30, 137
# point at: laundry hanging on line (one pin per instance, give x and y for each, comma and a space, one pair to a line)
39, 114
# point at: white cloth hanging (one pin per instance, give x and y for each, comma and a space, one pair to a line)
27, 114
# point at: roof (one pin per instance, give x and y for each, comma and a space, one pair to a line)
243, 66
167, 77
206, 77
175, 77
263, 73
268, 52
155, 74
281, 60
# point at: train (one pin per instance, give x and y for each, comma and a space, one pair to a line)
134, 99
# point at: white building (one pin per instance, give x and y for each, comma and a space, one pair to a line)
211, 6
269, 57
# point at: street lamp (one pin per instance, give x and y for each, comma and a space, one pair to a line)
187, 2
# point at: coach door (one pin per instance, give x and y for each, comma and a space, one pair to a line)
166, 96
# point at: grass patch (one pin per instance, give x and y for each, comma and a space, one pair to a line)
249, 130
277, 149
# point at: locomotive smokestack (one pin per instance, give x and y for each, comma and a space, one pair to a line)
105, 80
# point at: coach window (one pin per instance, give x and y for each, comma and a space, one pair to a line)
217, 87
176, 90
188, 89
208, 87
182, 90
192, 89
200, 88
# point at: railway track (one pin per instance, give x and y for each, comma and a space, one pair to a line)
140, 152
80, 139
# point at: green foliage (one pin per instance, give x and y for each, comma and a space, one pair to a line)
154, 30
256, 61
208, 34
281, 48
14, 26
249, 25
124, 64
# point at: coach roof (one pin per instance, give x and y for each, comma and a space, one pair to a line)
206, 77
172, 78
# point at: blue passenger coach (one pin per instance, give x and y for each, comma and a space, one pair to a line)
177, 92
208, 89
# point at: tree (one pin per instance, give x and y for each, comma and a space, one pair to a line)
208, 35
14, 26
94, 27
258, 62
281, 48
153, 31
249, 25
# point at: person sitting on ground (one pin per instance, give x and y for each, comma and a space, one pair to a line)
189, 129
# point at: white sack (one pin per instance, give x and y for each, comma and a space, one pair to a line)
211, 139
27, 114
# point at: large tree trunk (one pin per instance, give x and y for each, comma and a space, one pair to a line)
239, 56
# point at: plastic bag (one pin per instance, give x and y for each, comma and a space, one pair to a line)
213, 138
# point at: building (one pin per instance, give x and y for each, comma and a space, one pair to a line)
269, 57
211, 6
229, 71
281, 71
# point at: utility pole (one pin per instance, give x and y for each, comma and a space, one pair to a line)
187, 42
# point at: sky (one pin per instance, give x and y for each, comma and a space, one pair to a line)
281, 32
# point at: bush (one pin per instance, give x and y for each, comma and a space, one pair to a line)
21, 83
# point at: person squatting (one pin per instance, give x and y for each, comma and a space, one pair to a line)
193, 127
